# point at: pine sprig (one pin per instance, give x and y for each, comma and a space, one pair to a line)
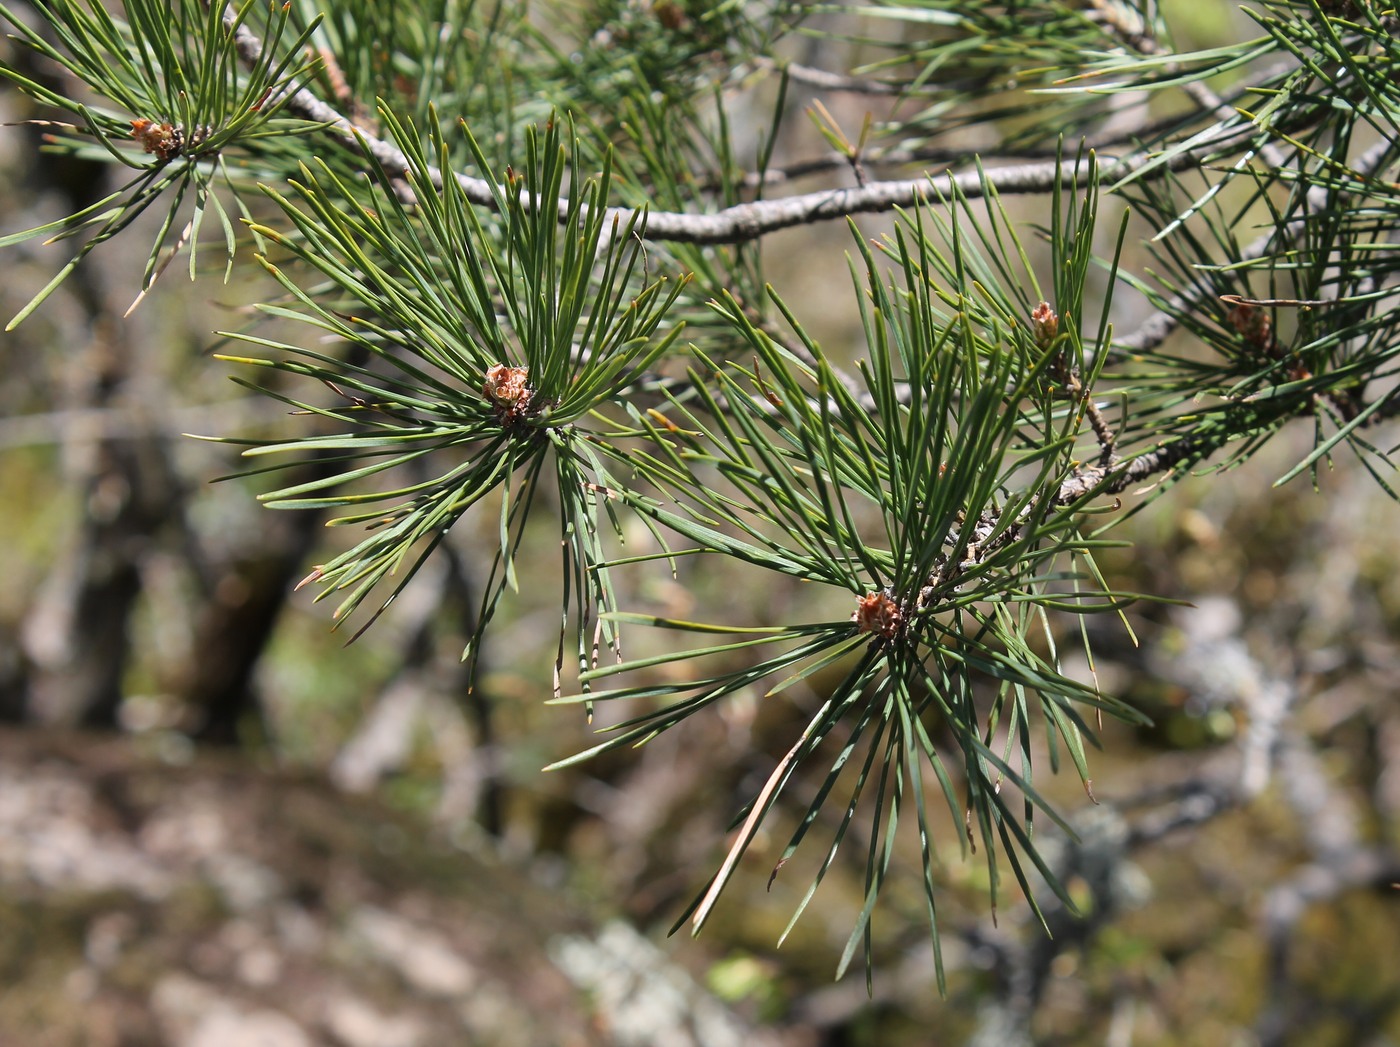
936, 515
488, 347
480, 325
1290, 285
174, 102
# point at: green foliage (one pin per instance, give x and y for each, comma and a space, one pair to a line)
170, 79
941, 512
483, 330
445, 314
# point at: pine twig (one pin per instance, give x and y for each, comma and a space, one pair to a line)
742, 223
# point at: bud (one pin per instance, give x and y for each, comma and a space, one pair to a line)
1045, 324
877, 613
1253, 324
505, 386
165, 140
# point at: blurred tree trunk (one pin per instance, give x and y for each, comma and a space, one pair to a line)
236, 622
76, 639
74, 646
245, 596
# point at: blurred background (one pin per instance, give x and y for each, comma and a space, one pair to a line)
219, 824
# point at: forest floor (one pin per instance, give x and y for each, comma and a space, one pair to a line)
200, 901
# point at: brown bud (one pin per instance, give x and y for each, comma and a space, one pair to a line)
877, 613
505, 386
1045, 324
1252, 323
166, 141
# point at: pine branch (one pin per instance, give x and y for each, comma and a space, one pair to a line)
743, 223
1155, 330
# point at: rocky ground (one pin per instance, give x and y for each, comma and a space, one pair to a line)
175, 898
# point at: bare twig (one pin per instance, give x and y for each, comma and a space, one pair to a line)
900, 156
804, 74
1077, 393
